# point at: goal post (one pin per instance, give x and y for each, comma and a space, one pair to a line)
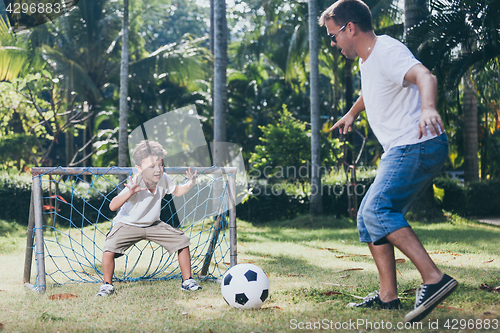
69, 219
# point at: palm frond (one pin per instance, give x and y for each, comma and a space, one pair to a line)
12, 53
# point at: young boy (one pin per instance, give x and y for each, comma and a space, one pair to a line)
139, 215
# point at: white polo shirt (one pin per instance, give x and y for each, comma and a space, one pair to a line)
143, 208
392, 104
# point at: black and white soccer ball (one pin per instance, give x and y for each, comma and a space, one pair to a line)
245, 286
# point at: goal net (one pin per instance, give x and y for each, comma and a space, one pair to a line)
70, 216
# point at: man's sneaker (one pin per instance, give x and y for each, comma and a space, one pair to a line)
190, 285
429, 296
374, 299
106, 290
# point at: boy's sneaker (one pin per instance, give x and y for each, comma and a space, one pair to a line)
190, 285
429, 296
374, 299
106, 290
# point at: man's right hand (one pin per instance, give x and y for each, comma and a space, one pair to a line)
344, 124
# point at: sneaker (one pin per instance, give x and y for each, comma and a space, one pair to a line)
190, 285
106, 290
429, 296
374, 299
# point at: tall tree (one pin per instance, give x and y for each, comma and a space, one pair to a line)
122, 132
316, 204
220, 81
415, 12
456, 36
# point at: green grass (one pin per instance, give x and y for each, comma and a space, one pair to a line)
307, 261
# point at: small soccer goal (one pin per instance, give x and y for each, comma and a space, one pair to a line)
70, 217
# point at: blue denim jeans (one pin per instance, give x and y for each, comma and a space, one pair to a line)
402, 175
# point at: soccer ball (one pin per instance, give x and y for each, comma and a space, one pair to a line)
245, 286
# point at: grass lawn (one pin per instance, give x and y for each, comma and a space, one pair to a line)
315, 267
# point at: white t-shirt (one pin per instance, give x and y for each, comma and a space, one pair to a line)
143, 208
392, 104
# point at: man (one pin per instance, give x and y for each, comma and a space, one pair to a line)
399, 96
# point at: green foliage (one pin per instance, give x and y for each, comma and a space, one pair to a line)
474, 199
13, 57
285, 143
286, 146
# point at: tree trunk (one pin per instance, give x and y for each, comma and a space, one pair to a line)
415, 12
471, 162
123, 120
220, 64
316, 204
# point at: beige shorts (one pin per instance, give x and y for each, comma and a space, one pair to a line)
122, 236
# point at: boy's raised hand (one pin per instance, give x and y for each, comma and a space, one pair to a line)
133, 186
191, 176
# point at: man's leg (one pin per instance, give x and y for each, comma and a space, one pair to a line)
386, 266
408, 243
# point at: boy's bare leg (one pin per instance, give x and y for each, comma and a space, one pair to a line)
386, 266
408, 243
108, 266
185, 262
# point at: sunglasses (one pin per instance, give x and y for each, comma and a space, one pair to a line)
334, 36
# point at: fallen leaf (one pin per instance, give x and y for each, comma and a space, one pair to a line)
399, 272
400, 261
447, 307
410, 291
331, 293
489, 288
488, 261
242, 244
272, 308
353, 255
336, 284
61, 296
348, 270
248, 261
162, 309
210, 331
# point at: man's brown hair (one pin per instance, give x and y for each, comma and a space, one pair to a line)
345, 11
147, 148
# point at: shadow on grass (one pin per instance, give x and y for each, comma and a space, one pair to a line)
468, 237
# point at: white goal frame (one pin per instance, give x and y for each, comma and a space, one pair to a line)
35, 223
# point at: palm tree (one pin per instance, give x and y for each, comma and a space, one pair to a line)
220, 80
316, 204
456, 36
12, 54
122, 132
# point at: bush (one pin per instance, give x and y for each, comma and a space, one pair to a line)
474, 199
15, 194
270, 204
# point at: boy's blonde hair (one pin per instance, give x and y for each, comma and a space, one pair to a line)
147, 148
